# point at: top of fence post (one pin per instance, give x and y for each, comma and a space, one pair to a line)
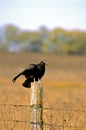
36, 94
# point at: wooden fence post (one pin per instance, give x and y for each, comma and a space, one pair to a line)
36, 106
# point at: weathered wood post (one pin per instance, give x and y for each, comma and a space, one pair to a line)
36, 106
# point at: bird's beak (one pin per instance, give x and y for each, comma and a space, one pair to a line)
46, 63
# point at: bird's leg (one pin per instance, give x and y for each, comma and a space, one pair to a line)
34, 80
39, 80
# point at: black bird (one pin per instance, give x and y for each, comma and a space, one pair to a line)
34, 72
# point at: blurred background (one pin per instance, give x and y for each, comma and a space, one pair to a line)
43, 26
34, 30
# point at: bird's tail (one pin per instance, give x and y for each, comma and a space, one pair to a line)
14, 79
27, 83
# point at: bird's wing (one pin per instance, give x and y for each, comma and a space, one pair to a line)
31, 66
30, 71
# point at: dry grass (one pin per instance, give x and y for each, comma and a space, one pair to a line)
64, 86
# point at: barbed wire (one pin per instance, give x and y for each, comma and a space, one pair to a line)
54, 118
15, 105
46, 108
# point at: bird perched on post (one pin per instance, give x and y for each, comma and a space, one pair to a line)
34, 72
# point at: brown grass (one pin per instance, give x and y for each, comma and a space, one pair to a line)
64, 84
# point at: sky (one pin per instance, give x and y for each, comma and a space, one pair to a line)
32, 14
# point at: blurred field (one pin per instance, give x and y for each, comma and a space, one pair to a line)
64, 82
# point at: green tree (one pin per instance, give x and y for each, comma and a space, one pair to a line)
10, 32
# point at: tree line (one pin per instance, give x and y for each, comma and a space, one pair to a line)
57, 40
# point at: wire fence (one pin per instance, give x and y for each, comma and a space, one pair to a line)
61, 119
17, 117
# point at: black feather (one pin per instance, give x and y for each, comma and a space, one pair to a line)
33, 72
